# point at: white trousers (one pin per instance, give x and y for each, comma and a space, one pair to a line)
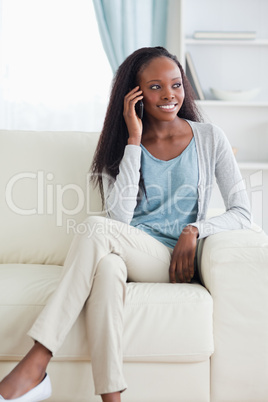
99, 262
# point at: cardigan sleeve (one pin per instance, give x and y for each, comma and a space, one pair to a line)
233, 192
121, 194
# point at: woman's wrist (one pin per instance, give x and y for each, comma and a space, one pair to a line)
190, 229
134, 141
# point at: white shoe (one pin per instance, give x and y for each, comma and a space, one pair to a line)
41, 392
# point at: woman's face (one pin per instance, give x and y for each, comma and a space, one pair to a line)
162, 87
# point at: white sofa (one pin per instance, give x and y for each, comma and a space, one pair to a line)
182, 342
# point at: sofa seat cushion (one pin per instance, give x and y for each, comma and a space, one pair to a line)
163, 322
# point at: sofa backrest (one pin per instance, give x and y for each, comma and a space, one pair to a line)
45, 193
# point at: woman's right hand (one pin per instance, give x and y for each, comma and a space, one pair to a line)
133, 122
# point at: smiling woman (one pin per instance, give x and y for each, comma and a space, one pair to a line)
155, 175
54, 73
165, 95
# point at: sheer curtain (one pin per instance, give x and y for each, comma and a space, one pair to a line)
126, 25
54, 73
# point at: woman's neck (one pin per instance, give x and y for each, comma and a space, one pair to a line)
157, 130
167, 141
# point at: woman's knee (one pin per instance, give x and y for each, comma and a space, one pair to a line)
112, 268
109, 280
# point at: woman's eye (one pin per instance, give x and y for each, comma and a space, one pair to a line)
155, 86
177, 85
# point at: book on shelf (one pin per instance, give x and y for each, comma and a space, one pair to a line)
225, 35
193, 77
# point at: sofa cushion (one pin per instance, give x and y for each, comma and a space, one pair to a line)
44, 193
163, 322
235, 270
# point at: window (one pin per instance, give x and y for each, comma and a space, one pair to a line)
54, 74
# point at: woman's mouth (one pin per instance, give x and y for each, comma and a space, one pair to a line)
169, 108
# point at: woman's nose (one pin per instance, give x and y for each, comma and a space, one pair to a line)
168, 94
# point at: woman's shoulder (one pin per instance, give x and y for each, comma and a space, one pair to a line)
206, 128
207, 132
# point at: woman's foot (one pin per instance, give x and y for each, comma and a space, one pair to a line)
27, 374
39, 393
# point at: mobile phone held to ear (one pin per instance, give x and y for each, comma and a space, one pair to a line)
139, 107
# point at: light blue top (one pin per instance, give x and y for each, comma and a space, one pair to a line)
215, 160
172, 195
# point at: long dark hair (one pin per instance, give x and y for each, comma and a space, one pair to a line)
114, 135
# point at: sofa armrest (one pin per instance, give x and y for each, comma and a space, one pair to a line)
234, 268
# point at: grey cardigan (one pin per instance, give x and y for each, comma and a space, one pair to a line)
215, 159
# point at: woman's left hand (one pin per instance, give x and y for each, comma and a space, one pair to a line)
182, 261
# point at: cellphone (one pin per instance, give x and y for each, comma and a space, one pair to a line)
139, 107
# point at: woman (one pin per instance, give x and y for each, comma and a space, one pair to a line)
155, 175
